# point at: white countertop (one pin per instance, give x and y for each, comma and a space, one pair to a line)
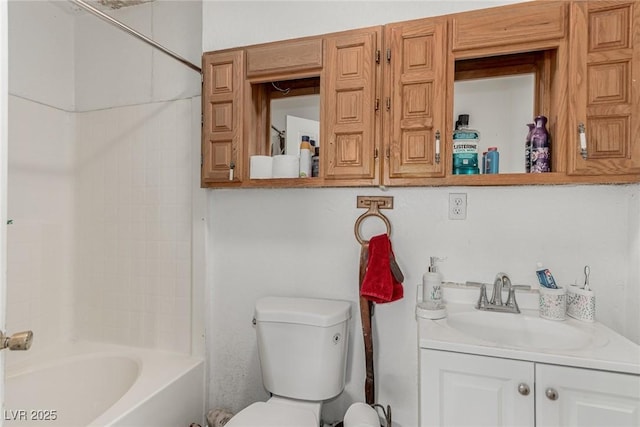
610, 351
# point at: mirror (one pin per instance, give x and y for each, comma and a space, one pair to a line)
499, 108
292, 117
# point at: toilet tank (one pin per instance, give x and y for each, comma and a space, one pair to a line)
302, 345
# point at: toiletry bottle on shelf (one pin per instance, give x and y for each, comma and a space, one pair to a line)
544, 277
540, 146
527, 148
305, 157
465, 147
431, 282
315, 159
493, 160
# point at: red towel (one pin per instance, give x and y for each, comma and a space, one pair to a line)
379, 284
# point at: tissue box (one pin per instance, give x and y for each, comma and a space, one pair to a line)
553, 303
581, 304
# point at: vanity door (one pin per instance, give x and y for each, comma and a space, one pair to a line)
459, 389
574, 397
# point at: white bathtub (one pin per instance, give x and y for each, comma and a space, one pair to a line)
91, 384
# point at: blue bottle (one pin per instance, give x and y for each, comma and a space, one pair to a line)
493, 160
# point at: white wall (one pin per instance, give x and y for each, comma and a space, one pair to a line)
41, 171
632, 290
114, 69
4, 89
103, 149
41, 52
300, 241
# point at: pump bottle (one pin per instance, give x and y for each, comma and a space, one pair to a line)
431, 305
431, 282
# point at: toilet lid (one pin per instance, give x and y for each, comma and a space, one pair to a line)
262, 414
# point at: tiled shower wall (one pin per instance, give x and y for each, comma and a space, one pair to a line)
103, 134
136, 137
41, 172
40, 241
134, 225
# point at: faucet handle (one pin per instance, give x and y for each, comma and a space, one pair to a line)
482, 300
511, 300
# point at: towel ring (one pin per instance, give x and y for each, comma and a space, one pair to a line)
371, 212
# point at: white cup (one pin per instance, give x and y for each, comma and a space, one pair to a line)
553, 303
581, 304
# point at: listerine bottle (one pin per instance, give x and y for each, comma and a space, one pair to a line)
465, 147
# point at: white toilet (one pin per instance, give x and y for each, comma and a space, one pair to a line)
302, 345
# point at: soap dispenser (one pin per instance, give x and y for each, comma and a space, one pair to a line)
431, 281
432, 306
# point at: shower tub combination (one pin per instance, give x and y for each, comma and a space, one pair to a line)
91, 384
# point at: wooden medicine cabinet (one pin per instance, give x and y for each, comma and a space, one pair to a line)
387, 97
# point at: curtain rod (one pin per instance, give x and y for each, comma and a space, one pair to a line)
135, 33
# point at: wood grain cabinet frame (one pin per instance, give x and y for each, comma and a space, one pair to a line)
291, 56
386, 94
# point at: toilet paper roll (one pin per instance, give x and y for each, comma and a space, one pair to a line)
360, 414
286, 166
260, 167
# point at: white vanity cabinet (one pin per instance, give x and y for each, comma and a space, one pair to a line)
458, 389
583, 398
466, 390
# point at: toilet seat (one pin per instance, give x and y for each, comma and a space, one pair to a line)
264, 414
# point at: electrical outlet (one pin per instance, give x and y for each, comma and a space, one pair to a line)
457, 205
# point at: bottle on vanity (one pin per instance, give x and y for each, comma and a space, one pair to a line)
432, 306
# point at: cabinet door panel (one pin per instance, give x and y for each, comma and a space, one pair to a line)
465, 390
223, 80
416, 99
605, 48
586, 398
350, 88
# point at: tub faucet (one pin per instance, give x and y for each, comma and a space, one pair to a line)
17, 341
501, 282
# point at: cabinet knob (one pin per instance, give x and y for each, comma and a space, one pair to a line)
523, 389
551, 393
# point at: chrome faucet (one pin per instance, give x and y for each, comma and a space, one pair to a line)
501, 282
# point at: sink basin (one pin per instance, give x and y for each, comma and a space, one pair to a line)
522, 331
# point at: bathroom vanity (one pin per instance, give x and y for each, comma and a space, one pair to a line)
504, 369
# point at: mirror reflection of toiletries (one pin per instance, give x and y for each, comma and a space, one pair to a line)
499, 108
293, 117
